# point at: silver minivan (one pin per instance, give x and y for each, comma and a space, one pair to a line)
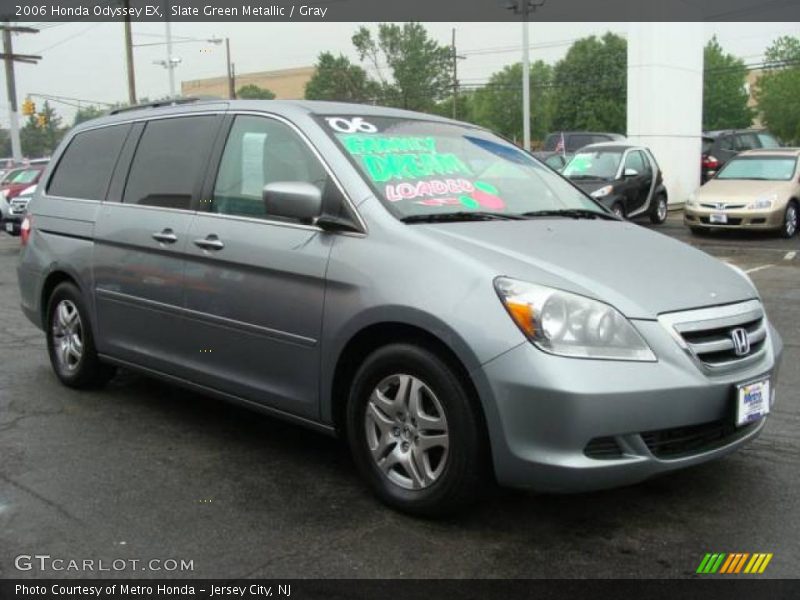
453, 308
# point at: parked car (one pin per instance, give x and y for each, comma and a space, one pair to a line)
720, 146
453, 308
575, 140
623, 177
757, 189
15, 182
554, 160
17, 209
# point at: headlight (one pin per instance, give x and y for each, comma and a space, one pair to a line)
603, 191
567, 324
763, 203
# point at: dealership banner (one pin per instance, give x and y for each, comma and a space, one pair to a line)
413, 589
400, 10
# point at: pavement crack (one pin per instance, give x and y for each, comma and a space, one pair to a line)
31, 492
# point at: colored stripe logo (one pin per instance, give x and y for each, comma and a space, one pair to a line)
734, 563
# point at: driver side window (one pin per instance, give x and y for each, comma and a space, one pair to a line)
259, 151
635, 161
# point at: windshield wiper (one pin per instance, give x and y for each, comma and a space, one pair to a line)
573, 213
464, 215
594, 177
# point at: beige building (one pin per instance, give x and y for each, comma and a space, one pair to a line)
286, 84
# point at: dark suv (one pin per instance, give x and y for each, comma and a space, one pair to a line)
720, 146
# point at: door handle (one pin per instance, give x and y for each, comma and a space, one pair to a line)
210, 242
167, 236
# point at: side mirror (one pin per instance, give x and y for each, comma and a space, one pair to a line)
292, 200
630, 172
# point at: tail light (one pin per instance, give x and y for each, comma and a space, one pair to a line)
25, 230
710, 162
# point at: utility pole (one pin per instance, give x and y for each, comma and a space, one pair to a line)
11, 86
524, 7
456, 58
129, 55
233, 81
170, 64
231, 86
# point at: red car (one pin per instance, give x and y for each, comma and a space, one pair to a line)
19, 179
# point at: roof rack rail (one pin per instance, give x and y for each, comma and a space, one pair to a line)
159, 103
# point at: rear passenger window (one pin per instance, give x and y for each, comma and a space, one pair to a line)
170, 161
85, 168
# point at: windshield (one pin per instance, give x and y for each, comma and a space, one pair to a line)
773, 168
428, 168
600, 164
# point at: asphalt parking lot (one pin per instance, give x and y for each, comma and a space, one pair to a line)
143, 470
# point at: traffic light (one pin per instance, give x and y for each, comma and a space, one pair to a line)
41, 120
28, 107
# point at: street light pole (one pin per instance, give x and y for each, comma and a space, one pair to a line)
526, 79
170, 64
231, 87
129, 57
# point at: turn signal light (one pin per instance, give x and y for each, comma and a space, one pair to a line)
25, 230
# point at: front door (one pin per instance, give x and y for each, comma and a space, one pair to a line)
256, 283
638, 186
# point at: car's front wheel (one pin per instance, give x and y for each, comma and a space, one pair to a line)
70, 341
790, 220
658, 214
414, 433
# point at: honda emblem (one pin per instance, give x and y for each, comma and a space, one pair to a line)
741, 341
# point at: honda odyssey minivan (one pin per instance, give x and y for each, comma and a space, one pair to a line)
446, 303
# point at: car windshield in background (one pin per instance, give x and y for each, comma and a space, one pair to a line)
773, 168
27, 176
601, 164
767, 141
428, 168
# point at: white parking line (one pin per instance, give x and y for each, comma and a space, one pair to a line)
790, 255
761, 268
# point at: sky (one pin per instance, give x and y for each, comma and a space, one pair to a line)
87, 60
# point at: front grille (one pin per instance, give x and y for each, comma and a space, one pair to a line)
709, 335
731, 221
603, 448
18, 207
693, 439
721, 206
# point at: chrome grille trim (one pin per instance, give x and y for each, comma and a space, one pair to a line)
705, 333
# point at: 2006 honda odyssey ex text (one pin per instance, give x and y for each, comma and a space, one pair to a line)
450, 305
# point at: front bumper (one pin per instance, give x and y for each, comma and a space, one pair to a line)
543, 412
737, 219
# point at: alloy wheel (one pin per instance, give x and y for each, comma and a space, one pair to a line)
67, 335
407, 431
790, 223
661, 210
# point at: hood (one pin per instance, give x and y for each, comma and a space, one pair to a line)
640, 272
733, 191
590, 185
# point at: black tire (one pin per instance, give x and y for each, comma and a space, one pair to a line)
659, 210
618, 209
793, 213
87, 371
699, 231
464, 472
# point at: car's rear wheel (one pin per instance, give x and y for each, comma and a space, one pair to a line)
659, 211
790, 220
70, 341
414, 433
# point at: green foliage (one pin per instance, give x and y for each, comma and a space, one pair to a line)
590, 86
337, 79
724, 93
498, 105
421, 68
252, 92
41, 141
87, 113
464, 106
778, 89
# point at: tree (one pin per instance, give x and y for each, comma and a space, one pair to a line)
421, 68
87, 113
724, 93
590, 86
498, 105
38, 141
336, 78
464, 106
778, 89
252, 92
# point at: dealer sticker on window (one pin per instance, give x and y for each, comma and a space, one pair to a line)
752, 402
